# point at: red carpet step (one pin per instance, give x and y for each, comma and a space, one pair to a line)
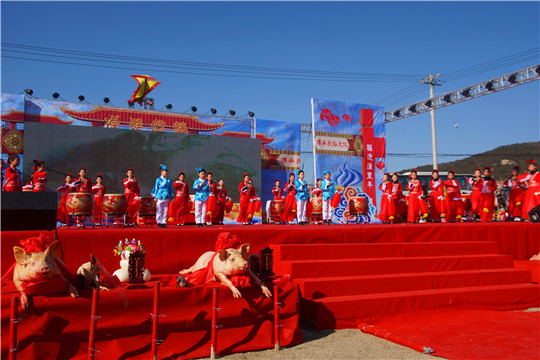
343, 284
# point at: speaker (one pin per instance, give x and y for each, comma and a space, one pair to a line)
28, 210
534, 214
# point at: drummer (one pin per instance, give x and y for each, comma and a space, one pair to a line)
85, 185
99, 190
277, 191
132, 192
222, 200
327, 186
212, 199
201, 197
317, 190
162, 193
302, 197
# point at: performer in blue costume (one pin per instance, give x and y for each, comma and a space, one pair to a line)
328, 188
162, 193
202, 191
302, 197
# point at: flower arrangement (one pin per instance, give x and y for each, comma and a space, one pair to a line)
127, 247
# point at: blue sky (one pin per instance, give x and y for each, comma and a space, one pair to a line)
416, 38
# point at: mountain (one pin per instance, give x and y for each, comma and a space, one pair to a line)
501, 159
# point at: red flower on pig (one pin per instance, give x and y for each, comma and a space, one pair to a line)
34, 244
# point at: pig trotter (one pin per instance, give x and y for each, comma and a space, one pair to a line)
266, 291
24, 300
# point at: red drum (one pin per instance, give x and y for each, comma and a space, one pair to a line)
147, 206
358, 206
80, 203
316, 204
258, 205
335, 200
228, 206
276, 208
114, 204
211, 205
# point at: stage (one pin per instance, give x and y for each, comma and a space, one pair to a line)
452, 263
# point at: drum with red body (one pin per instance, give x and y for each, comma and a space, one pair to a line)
276, 208
316, 206
114, 204
147, 206
79, 203
358, 206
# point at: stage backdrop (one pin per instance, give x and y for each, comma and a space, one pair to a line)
349, 141
112, 151
12, 108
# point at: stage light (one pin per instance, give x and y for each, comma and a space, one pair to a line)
251, 113
512, 78
397, 113
56, 95
194, 108
131, 104
537, 70
466, 92
448, 98
412, 108
232, 112
81, 98
429, 103
489, 85
106, 100
213, 111
29, 91
168, 106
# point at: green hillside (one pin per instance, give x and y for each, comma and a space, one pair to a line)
501, 159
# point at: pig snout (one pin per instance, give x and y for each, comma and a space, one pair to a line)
44, 270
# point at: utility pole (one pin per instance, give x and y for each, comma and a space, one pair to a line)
432, 82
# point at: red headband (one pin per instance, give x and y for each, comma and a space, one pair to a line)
531, 162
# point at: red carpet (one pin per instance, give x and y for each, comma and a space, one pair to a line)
464, 334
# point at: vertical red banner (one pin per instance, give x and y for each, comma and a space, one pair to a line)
368, 160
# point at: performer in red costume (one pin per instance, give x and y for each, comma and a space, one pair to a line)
454, 205
436, 197
515, 199
222, 198
417, 207
66, 188
13, 175
85, 185
245, 195
396, 210
253, 203
489, 186
277, 191
211, 204
99, 190
386, 197
476, 196
532, 194
132, 190
182, 200
40, 176
289, 213
317, 191
29, 186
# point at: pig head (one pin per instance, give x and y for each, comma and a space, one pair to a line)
38, 274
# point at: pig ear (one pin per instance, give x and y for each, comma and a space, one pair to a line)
223, 254
20, 255
53, 248
244, 249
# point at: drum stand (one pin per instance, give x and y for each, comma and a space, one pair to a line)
80, 217
146, 217
317, 219
114, 216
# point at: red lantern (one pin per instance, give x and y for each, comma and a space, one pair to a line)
229, 206
380, 165
335, 200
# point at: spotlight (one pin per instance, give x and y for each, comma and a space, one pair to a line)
213, 111
56, 95
251, 113
537, 70
466, 92
512, 78
106, 100
232, 112
29, 91
168, 106
489, 85
448, 98
81, 98
194, 108
131, 103
397, 113
429, 103
412, 108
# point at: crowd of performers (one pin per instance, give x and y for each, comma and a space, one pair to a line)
444, 202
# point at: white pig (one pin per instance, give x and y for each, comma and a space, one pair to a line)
229, 262
37, 267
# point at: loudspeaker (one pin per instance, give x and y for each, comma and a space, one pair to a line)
534, 214
28, 210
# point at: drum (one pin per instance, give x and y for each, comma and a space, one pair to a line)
358, 206
229, 206
276, 208
114, 204
211, 205
79, 203
147, 206
316, 206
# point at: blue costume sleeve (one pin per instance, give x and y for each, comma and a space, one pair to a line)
155, 189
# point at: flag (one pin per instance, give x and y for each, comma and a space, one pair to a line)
146, 84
